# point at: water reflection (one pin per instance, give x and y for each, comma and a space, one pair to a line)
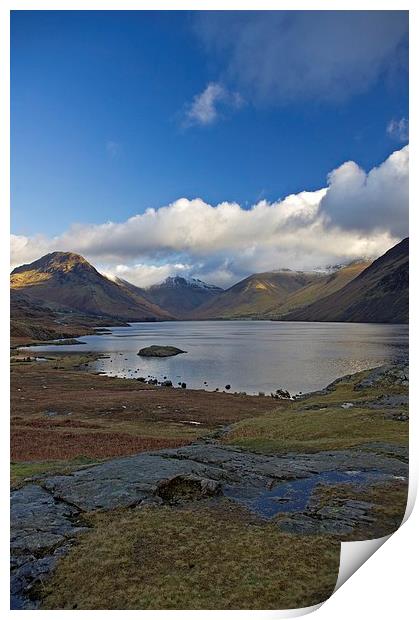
251, 356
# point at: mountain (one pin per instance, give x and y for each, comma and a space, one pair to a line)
256, 295
380, 294
61, 292
180, 296
65, 280
32, 320
325, 285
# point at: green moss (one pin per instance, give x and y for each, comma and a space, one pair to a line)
312, 431
19, 472
320, 423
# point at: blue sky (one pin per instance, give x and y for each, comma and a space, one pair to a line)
116, 112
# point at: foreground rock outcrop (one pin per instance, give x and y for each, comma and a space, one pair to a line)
46, 517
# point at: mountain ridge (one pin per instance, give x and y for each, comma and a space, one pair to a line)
181, 296
379, 294
67, 284
256, 295
70, 281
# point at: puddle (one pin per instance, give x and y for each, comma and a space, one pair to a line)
294, 496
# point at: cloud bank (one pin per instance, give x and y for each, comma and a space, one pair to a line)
284, 56
358, 214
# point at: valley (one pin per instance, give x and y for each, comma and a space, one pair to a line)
61, 295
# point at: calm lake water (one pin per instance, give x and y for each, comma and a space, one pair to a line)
251, 356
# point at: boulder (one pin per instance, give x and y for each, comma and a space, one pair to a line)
159, 351
167, 383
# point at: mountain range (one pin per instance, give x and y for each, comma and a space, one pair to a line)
181, 296
67, 280
64, 289
274, 294
379, 294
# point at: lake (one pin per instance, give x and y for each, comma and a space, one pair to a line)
250, 356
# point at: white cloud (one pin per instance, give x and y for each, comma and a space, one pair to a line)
374, 201
357, 214
144, 275
205, 107
398, 129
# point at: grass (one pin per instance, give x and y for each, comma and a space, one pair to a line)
389, 501
191, 558
313, 431
60, 411
320, 423
204, 555
57, 438
19, 472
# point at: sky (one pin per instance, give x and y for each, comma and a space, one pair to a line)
208, 144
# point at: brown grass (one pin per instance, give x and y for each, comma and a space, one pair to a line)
37, 387
60, 411
173, 558
36, 444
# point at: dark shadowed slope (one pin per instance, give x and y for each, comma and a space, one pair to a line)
64, 279
180, 296
380, 294
256, 295
322, 287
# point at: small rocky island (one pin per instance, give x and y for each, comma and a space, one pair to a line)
159, 351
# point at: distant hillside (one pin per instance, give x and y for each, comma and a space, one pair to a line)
179, 296
67, 281
256, 295
322, 287
33, 320
380, 294
61, 293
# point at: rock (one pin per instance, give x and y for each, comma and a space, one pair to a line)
393, 374
150, 501
282, 393
187, 487
45, 520
304, 524
398, 416
41, 529
347, 405
159, 351
387, 401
